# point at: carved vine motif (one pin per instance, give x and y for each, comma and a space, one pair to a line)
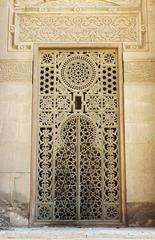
78, 131
81, 28
109, 21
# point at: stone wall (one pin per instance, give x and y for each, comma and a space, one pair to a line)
15, 124
140, 130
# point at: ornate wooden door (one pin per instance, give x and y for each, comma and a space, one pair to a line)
77, 148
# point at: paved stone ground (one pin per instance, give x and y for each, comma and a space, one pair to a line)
68, 233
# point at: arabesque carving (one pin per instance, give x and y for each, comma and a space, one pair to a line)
78, 141
72, 28
77, 21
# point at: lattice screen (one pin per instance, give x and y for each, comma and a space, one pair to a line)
77, 178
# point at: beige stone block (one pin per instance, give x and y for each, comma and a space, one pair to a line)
13, 70
152, 36
137, 111
15, 157
139, 56
15, 107
15, 127
151, 11
16, 91
4, 3
152, 32
3, 30
140, 186
139, 103
140, 157
139, 71
15, 186
143, 90
140, 132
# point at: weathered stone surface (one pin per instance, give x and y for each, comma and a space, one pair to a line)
78, 233
17, 220
4, 218
13, 214
141, 214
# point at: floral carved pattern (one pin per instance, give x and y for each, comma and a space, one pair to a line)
72, 28
53, 21
78, 160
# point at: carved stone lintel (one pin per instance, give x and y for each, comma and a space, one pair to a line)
77, 28
113, 23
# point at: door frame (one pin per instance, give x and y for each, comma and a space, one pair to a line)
35, 83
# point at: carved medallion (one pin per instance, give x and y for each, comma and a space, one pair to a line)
78, 72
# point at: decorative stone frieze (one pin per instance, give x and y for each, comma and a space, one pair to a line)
64, 21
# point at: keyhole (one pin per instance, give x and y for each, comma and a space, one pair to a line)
78, 102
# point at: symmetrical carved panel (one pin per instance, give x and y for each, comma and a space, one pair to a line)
11, 70
77, 21
78, 159
72, 28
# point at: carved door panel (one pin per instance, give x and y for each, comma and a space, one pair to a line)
77, 177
